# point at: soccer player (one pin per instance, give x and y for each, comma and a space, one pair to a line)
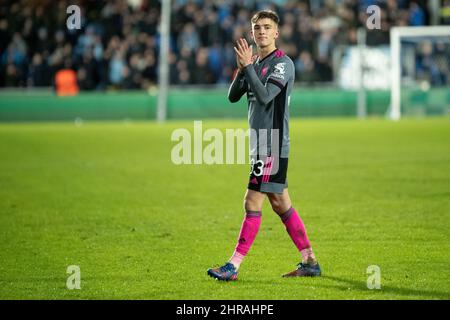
267, 78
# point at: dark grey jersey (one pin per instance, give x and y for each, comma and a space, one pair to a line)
268, 84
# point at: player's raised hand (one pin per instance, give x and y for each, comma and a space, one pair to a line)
238, 62
247, 50
244, 53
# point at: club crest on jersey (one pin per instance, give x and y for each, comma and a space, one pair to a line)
264, 71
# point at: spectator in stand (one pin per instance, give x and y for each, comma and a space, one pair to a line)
202, 72
445, 12
416, 15
38, 75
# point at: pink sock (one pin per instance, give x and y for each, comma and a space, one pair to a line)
249, 230
297, 232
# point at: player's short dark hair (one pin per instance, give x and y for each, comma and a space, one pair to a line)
269, 14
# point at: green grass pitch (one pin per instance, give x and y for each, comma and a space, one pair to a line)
107, 198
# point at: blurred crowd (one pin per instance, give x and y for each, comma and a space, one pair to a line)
118, 43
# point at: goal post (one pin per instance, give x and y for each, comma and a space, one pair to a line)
163, 82
397, 34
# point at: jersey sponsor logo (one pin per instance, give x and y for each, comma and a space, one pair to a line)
277, 75
280, 68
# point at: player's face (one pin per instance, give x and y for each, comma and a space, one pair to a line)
264, 32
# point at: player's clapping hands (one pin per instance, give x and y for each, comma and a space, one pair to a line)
244, 53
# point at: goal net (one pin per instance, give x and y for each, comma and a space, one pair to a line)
420, 71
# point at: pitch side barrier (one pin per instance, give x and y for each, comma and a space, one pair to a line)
24, 105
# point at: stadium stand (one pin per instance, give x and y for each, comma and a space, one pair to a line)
118, 43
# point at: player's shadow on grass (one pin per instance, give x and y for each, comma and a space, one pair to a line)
362, 286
